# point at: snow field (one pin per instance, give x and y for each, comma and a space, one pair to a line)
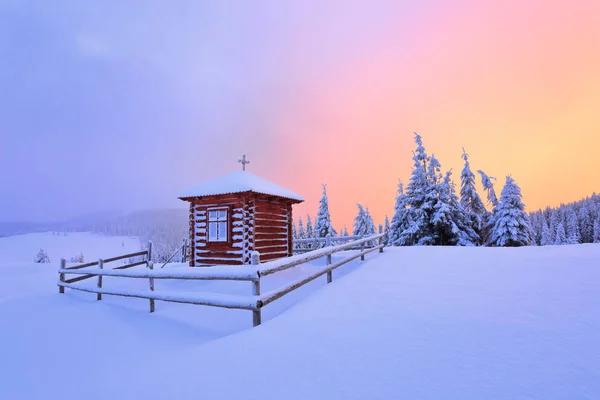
414, 323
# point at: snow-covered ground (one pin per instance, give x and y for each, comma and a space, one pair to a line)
414, 323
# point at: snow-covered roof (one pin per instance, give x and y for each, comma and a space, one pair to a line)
239, 182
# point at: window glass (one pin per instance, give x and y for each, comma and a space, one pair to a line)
217, 226
212, 231
222, 231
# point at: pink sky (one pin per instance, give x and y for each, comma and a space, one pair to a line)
515, 83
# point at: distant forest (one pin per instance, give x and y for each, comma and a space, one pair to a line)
572, 223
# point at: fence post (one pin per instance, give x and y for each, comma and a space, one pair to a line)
63, 265
151, 266
183, 250
256, 314
362, 248
327, 244
100, 265
381, 238
149, 253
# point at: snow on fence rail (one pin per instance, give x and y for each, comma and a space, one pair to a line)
310, 244
252, 273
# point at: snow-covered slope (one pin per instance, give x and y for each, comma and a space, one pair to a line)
414, 323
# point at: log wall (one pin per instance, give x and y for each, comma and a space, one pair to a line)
256, 222
272, 229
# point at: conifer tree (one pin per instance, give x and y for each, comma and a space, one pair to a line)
386, 231
586, 224
294, 230
488, 186
553, 226
469, 199
323, 225
511, 223
401, 219
546, 235
596, 237
360, 222
450, 221
417, 225
301, 231
561, 235
309, 227
369, 223
573, 236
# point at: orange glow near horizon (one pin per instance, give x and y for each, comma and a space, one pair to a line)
516, 84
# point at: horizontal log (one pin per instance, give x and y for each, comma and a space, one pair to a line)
127, 266
216, 273
208, 261
271, 215
272, 267
272, 229
90, 264
218, 254
79, 278
266, 246
270, 297
266, 255
140, 253
333, 239
269, 207
206, 299
265, 237
268, 221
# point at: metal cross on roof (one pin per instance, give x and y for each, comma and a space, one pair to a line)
243, 161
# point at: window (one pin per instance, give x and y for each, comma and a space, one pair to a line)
217, 225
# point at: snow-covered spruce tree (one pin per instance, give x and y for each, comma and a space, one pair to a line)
360, 222
512, 227
301, 234
386, 231
596, 237
573, 236
42, 257
560, 238
469, 199
294, 230
451, 224
546, 236
323, 225
345, 231
310, 233
417, 220
488, 187
553, 225
401, 219
78, 258
370, 223
309, 227
586, 224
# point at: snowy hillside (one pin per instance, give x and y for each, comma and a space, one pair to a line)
415, 322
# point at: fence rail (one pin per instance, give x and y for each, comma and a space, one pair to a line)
311, 244
100, 263
254, 302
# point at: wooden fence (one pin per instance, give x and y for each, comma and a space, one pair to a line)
311, 244
253, 274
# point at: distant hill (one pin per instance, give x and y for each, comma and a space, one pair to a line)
166, 228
